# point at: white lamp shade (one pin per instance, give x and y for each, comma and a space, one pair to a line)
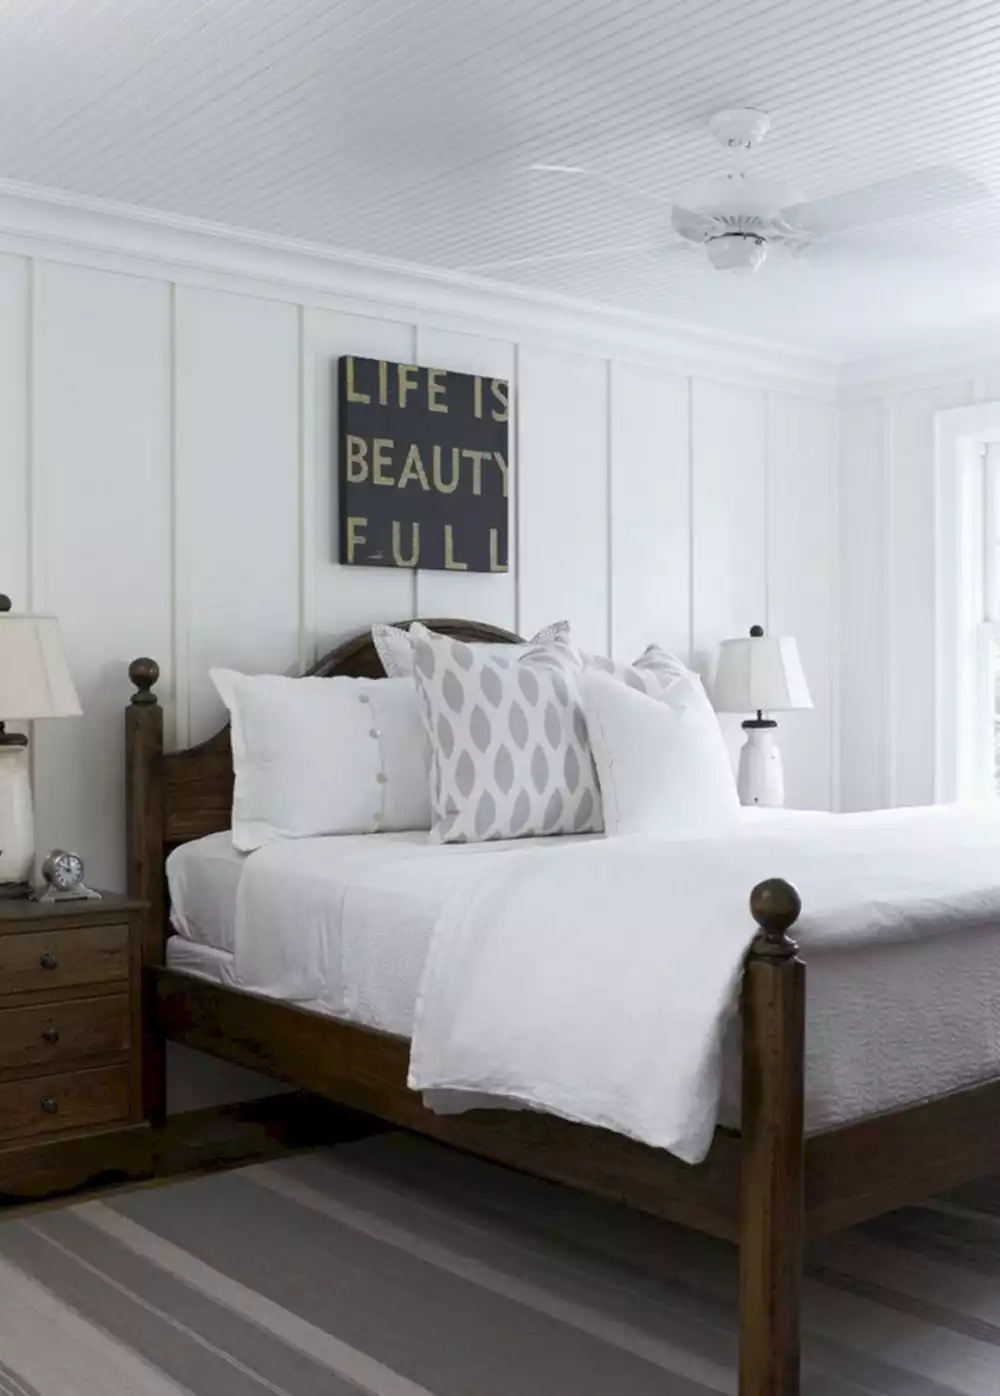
34, 675
760, 673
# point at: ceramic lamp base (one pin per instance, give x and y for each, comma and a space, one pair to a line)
761, 780
17, 820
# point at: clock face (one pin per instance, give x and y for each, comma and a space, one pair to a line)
67, 871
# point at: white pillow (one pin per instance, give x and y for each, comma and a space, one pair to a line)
509, 750
395, 645
661, 758
324, 756
653, 672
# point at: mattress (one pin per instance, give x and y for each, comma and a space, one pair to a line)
203, 878
887, 1024
204, 960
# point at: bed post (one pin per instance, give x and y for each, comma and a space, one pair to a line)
772, 1131
144, 835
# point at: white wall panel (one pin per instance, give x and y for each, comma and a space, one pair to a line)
650, 510
237, 483
102, 533
14, 483
801, 581
729, 519
910, 543
476, 595
863, 716
345, 599
563, 500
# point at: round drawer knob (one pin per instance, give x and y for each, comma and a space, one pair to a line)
48, 961
50, 1105
51, 1033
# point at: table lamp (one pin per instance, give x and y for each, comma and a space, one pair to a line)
760, 673
34, 682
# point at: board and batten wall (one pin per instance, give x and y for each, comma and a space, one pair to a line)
887, 572
168, 485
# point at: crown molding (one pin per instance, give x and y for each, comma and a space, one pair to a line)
48, 223
943, 361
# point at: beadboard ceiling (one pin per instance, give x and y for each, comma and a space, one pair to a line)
404, 129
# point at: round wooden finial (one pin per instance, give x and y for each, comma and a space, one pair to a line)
5, 603
775, 906
144, 673
756, 632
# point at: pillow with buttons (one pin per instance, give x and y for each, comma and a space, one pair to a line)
324, 756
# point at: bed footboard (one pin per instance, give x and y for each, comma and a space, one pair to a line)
773, 1147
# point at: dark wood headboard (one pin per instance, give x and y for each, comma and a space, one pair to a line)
198, 781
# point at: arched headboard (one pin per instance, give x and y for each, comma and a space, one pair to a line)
358, 658
195, 785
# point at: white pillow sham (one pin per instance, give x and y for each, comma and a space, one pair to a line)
395, 645
661, 758
653, 672
324, 756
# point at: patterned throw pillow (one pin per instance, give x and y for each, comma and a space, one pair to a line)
395, 646
509, 750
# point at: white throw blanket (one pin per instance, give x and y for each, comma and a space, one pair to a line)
596, 986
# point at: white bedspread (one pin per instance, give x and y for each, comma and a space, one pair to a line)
597, 986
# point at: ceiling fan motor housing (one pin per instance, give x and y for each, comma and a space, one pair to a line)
736, 251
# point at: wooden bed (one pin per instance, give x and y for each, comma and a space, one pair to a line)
766, 1188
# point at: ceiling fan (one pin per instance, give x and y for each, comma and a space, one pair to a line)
740, 218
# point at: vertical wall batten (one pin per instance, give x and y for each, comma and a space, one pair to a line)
609, 497
689, 383
304, 489
886, 589
515, 517
177, 718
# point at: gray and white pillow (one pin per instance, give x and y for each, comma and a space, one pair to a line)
395, 646
509, 751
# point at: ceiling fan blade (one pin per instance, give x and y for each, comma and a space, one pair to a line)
857, 248
906, 196
612, 182
553, 258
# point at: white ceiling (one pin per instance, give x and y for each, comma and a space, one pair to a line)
403, 128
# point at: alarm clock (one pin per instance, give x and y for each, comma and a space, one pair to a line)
62, 875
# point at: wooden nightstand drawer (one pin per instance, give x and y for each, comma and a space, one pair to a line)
43, 960
73, 1100
53, 1033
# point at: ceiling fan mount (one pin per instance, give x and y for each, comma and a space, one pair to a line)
739, 128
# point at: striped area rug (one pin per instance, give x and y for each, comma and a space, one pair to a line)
397, 1268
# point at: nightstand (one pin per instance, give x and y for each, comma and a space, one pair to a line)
70, 1045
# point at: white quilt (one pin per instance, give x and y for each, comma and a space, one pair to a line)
597, 986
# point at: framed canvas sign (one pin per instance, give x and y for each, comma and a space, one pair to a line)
423, 467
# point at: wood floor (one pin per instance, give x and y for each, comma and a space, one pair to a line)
198, 1142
